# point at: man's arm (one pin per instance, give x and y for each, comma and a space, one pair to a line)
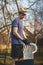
15, 32
24, 35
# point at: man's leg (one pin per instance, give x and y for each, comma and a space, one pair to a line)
13, 61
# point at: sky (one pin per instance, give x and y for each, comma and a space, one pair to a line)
25, 3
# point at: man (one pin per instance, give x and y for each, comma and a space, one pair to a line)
17, 36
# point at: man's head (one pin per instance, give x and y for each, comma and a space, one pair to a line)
21, 14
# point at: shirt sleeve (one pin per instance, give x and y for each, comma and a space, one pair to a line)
15, 23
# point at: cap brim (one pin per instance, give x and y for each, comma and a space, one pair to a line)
21, 12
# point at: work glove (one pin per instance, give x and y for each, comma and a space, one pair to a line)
25, 41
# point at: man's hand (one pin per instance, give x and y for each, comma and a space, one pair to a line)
26, 41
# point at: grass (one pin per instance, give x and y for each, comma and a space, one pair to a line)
7, 61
